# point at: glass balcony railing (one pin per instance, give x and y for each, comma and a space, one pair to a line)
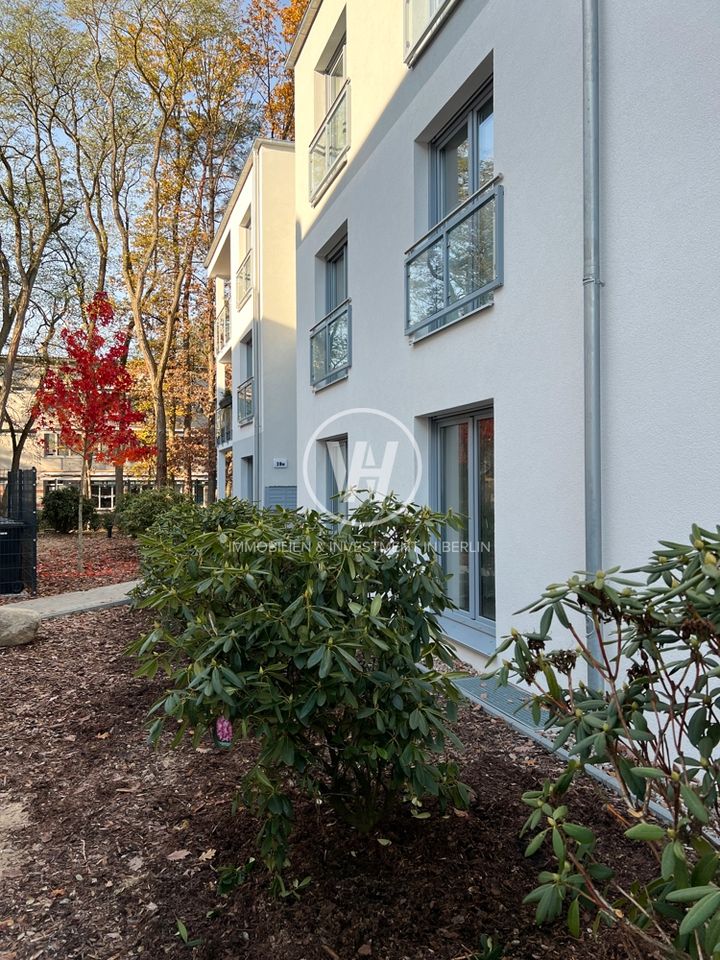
222, 329
454, 268
243, 280
330, 346
331, 142
421, 17
245, 400
223, 426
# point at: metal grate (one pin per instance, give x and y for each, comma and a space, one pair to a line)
18, 532
281, 497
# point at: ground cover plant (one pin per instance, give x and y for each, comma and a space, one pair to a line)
652, 716
311, 639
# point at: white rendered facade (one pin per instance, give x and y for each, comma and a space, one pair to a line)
498, 395
252, 262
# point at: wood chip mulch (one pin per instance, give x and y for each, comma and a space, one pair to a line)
105, 844
106, 560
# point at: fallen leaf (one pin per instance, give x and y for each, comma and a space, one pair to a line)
102, 736
179, 855
365, 950
208, 854
135, 863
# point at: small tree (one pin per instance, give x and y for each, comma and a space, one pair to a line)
86, 398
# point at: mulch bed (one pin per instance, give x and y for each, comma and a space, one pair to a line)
105, 844
106, 560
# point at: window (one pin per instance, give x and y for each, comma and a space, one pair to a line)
332, 140
452, 271
103, 495
336, 452
243, 280
330, 352
246, 390
247, 479
422, 19
466, 484
52, 447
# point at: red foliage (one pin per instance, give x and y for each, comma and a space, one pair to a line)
86, 398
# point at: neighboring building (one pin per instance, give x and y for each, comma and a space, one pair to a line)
55, 464
252, 261
439, 203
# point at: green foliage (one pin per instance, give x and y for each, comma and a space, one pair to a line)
309, 639
138, 511
654, 719
60, 509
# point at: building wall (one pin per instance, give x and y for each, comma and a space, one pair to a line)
525, 353
265, 192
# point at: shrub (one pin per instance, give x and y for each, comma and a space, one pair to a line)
654, 719
60, 509
308, 639
138, 511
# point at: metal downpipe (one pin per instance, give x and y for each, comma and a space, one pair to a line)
591, 296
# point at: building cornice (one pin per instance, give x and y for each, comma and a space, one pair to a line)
302, 34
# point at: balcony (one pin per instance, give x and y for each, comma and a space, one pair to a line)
223, 426
222, 329
330, 144
422, 19
243, 280
245, 401
330, 347
452, 271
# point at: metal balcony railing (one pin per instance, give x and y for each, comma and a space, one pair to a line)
223, 426
222, 328
331, 142
331, 346
246, 401
243, 280
453, 269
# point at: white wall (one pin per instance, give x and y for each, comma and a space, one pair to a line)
661, 236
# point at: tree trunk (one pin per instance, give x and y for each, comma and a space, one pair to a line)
161, 474
119, 485
83, 472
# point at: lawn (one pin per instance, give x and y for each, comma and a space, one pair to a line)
105, 844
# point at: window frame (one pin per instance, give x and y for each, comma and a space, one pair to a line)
467, 116
475, 630
338, 508
334, 309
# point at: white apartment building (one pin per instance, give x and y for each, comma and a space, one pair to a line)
447, 267
252, 261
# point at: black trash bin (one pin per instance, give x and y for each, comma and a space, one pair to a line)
11, 543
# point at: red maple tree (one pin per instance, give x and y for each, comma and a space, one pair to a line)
85, 399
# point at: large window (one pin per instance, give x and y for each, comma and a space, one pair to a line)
466, 484
332, 140
452, 271
52, 446
330, 350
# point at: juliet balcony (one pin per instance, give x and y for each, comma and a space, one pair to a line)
330, 144
452, 271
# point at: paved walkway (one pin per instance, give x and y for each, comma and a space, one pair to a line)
81, 601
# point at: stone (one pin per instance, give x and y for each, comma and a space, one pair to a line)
17, 626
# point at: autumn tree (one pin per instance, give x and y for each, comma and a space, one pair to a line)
270, 28
85, 399
40, 60
171, 79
